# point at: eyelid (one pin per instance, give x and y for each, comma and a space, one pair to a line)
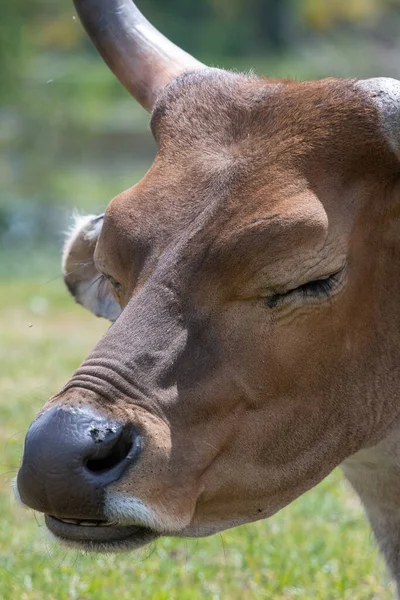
313, 288
113, 281
116, 285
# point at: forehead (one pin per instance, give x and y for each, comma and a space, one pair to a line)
232, 135
246, 145
208, 104
247, 116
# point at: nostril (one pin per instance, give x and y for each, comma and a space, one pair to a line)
70, 457
111, 454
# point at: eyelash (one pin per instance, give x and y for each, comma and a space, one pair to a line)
312, 289
117, 286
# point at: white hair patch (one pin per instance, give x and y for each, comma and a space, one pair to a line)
127, 510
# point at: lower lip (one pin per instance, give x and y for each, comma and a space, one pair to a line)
107, 535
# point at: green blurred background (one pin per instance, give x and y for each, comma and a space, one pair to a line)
71, 137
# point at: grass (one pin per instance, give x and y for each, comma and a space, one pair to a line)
320, 547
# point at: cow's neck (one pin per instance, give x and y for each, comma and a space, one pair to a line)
374, 473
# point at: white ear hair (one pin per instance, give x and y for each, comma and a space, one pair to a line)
87, 225
86, 284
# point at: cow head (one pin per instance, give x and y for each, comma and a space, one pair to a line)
252, 277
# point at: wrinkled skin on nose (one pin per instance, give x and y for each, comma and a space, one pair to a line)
143, 375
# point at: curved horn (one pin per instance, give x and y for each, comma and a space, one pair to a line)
385, 94
139, 55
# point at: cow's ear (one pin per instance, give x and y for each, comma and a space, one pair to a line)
86, 284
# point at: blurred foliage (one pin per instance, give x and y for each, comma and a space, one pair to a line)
323, 15
211, 29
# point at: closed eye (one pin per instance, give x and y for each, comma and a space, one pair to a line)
313, 289
113, 282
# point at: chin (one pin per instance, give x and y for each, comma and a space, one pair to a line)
99, 536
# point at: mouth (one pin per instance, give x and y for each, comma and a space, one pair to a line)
99, 536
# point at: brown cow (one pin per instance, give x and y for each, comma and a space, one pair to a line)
253, 277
